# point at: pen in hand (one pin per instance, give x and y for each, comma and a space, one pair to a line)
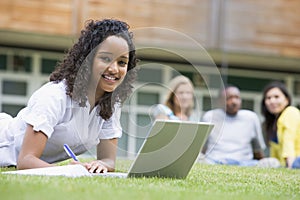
70, 152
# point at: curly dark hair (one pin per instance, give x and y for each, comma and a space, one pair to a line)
76, 67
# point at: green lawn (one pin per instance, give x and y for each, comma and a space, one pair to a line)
203, 182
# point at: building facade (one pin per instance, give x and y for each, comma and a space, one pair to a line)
246, 43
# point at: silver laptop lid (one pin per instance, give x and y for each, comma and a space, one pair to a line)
170, 149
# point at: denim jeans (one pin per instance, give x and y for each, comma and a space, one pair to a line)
296, 163
228, 161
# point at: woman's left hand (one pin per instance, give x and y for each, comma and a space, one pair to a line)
96, 166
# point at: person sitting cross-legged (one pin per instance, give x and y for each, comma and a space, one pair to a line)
237, 136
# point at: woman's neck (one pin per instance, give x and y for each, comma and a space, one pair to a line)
181, 114
94, 96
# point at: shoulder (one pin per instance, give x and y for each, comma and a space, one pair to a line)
52, 88
161, 109
247, 113
208, 115
214, 111
289, 117
50, 91
291, 111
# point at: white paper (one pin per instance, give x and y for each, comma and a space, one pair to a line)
65, 170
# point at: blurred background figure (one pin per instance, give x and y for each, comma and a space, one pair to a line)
282, 125
180, 101
237, 137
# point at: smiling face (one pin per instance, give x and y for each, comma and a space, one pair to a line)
184, 96
276, 101
109, 65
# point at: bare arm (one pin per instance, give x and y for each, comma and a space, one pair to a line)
258, 155
107, 152
32, 148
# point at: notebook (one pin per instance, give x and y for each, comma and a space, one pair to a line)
170, 150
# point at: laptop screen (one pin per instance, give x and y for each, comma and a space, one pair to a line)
170, 149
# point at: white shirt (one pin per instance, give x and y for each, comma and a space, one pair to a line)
233, 137
161, 109
62, 120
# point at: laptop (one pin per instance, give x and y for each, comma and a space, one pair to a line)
169, 151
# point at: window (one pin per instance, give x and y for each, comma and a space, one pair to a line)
21, 63
14, 87
209, 103
150, 75
11, 109
297, 87
3, 62
149, 99
249, 83
123, 141
48, 65
248, 104
143, 126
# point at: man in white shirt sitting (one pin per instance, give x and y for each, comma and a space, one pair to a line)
237, 136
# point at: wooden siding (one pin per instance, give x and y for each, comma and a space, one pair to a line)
40, 16
153, 20
248, 26
263, 26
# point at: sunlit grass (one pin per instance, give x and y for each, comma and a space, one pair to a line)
203, 182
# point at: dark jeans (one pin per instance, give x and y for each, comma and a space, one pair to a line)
296, 163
